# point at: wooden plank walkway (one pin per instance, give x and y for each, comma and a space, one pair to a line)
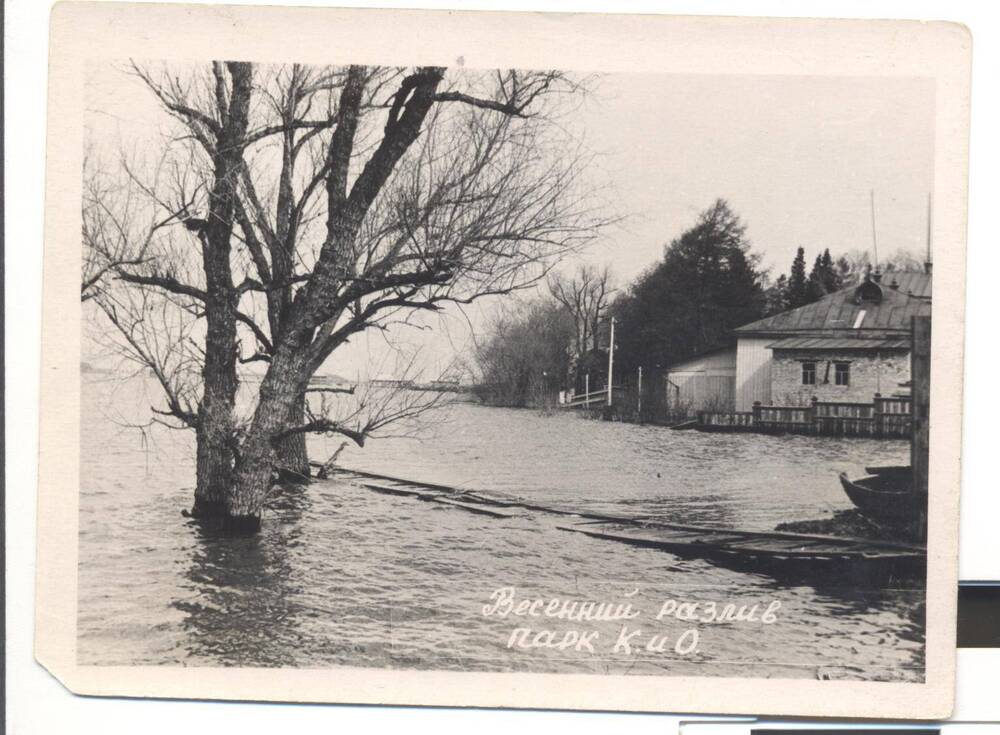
761, 550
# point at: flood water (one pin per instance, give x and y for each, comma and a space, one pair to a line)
341, 575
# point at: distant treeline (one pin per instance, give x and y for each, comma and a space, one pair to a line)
708, 282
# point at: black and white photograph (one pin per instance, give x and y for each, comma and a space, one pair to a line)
420, 367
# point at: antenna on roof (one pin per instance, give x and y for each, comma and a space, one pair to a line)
930, 219
874, 235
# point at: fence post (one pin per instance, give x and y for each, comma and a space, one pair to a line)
611, 361
814, 425
920, 409
878, 423
756, 413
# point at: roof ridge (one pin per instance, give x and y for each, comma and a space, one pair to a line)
839, 310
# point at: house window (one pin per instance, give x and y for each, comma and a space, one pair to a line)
808, 373
842, 373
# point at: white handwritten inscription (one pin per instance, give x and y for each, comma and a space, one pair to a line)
630, 638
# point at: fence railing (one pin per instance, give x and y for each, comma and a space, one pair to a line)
589, 400
884, 417
725, 420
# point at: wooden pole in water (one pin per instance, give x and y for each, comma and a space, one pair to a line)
639, 406
586, 387
611, 360
920, 367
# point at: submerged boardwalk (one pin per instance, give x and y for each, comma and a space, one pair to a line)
777, 553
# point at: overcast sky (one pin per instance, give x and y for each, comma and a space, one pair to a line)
796, 157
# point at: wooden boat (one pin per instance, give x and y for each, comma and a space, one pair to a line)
903, 472
762, 549
887, 498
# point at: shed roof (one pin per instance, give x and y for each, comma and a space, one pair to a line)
841, 343
841, 310
701, 354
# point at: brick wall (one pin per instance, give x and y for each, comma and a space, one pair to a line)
870, 373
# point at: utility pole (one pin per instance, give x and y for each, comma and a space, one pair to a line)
639, 407
611, 360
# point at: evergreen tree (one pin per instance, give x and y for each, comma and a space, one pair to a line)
776, 296
831, 279
797, 294
708, 283
816, 283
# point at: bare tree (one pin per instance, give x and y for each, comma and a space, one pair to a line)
306, 205
585, 295
526, 353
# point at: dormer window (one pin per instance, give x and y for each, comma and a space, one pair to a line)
868, 292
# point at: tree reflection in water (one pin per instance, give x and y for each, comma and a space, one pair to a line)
246, 589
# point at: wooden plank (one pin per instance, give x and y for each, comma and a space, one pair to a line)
777, 535
682, 539
473, 508
695, 538
436, 497
658, 533
724, 549
398, 491
787, 545
401, 480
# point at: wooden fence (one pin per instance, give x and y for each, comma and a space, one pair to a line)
884, 417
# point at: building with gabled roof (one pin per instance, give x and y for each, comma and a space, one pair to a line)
845, 347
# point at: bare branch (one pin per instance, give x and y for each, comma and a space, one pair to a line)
324, 426
167, 283
349, 391
259, 333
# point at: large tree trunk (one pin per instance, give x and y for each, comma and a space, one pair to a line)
318, 302
216, 428
280, 396
215, 432
292, 455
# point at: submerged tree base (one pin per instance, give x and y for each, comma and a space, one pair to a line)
214, 517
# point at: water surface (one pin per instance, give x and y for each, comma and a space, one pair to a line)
344, 576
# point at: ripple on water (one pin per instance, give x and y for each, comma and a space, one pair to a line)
343, 576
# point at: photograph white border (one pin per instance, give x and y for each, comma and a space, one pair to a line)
680, 45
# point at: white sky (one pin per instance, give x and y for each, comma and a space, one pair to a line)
796, 157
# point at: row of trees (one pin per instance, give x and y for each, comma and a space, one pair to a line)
533, 349
828, 275
292, 208
708, 282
